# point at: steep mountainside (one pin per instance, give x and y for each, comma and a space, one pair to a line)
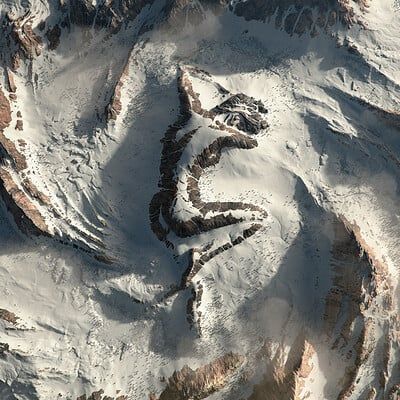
199, 199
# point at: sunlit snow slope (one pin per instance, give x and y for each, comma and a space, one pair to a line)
199, 199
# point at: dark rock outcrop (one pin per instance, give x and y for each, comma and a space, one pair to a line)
162, 203
8, 316
200, 383
299, 17
53, 36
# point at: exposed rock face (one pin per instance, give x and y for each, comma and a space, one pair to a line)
53, 36
236, 119
200, 383
299, 17
8, 316
11, 83
19, 126
361, 290
28, 43
25, 213
18, 159
106, 15
5, 111
284, 380
162, 202
243, 113
99, 395
114, 108
35, 193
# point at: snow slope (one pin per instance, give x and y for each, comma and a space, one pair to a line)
211, 182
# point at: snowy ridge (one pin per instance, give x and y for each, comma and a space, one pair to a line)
199, 200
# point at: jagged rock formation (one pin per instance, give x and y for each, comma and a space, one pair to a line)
8, 316
53, 36
162, 203
299, 17
26, 214
200, 383
22, 42
99, 395
235, 119
5, 112
88, 89
285, 378
84, 13
361, 289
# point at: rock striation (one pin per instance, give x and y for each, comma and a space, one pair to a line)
200, 383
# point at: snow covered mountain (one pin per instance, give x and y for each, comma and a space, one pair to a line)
199, 199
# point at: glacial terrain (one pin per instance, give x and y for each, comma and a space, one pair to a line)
199, 199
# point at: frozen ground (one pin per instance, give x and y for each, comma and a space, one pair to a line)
329, 154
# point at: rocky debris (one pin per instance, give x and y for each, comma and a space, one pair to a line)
162, 204
10, 80
4, 348
25, 213
35, 193
5, 111
29, 44
114, 108
11, 151
53, 36
98, 395
8, 316
394, 393
19, 126
243, 113
361, 290
200, 383
299, 17
285, 380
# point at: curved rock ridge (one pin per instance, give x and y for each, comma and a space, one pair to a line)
200, 383
300, 17
211, 215
235, 120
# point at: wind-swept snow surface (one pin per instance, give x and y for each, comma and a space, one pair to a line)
199, 200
